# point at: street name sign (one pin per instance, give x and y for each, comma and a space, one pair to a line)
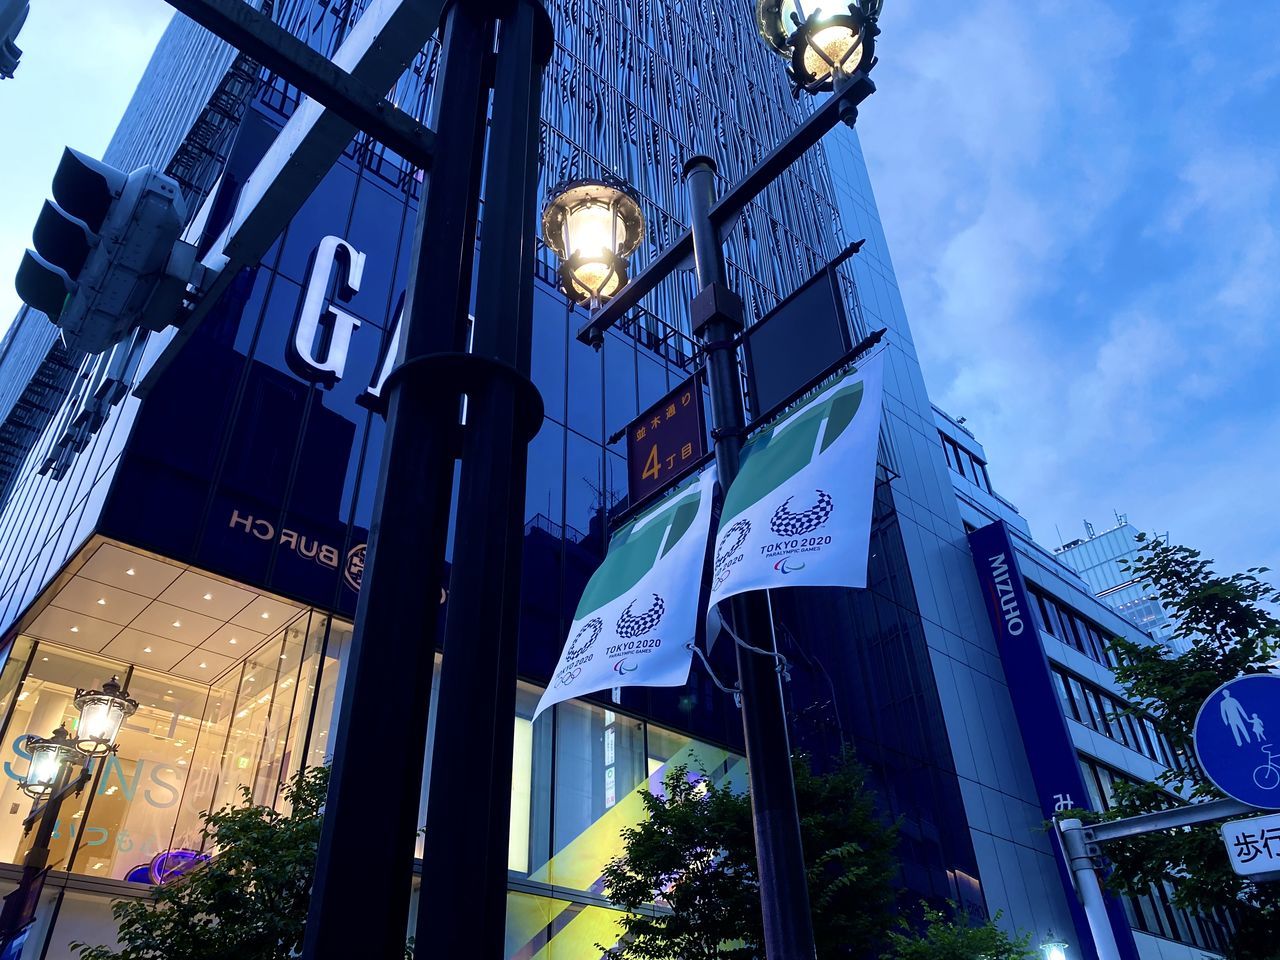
666, 441
1253, 846
1237, 739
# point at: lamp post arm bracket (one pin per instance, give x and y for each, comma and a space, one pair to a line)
258, 36
808, 133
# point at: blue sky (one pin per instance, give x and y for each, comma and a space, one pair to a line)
1082, 200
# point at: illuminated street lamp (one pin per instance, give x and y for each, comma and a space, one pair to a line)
824, 40
593, 226
49, 756
101, 714
1053, 948
49, 779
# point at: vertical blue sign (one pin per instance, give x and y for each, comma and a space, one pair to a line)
1055, 768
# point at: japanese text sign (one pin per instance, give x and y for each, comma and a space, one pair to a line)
1253, 846
665, 441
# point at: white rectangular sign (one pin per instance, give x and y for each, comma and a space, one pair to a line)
1253, 846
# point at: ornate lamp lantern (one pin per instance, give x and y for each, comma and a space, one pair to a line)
593, 226
102, 712
1053, 948
824, 40
49, 755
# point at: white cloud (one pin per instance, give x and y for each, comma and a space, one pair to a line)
1083, 230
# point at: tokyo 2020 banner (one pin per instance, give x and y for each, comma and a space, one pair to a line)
799, 512
640, 609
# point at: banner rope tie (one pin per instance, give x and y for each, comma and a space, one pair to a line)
783, 664
735, 690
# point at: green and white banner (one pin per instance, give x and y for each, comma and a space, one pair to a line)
641, 607
799, 512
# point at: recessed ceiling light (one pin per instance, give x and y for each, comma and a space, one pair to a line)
130, 572
44, 659
168, 691
283, 657
102, 601
203, 665
177, 623
146, 649
265, 615
75, 629
208, 596
233, 640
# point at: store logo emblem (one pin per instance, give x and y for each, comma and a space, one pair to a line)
353, 572
320, 323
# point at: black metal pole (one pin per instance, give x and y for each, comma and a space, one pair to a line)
360, 899
462, 903
784, 890
20, 905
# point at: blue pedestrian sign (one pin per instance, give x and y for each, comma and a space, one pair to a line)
1237, 739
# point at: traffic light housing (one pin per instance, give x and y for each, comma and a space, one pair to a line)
104, 260
13, 13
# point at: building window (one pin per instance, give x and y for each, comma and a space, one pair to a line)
1106, 714
965, 463
1060, 621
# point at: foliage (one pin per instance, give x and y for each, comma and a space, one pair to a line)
957, 937
249, 902
1228, 630
696, 853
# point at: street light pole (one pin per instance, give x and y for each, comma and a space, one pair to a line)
360, 899
784, 891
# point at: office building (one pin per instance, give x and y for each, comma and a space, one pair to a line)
1098, 558
1053, 636
207, 543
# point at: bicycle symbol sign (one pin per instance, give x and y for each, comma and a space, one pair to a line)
1237, 739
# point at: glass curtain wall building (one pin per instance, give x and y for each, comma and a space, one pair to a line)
1097, 558
207, 543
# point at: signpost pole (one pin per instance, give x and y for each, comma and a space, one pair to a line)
784, 892
1076, 850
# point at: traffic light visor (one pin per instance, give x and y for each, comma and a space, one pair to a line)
86, 188
61, 239
42, 285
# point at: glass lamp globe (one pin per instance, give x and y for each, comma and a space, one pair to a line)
593, 226
102, 712
1053, 948
821, 38
48, 757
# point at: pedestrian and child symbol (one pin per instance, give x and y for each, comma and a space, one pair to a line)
1236, 717
1232, 741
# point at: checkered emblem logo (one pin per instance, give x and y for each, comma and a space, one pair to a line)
631, 625
578, 646
732, 542
787, 524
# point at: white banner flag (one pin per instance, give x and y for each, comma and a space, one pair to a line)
641, 607
799, 512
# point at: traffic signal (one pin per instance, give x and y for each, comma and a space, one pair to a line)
107, 253
12, 15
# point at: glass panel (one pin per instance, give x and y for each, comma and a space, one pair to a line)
599, 762
558, 930
43, 702
530, 783
135, 799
